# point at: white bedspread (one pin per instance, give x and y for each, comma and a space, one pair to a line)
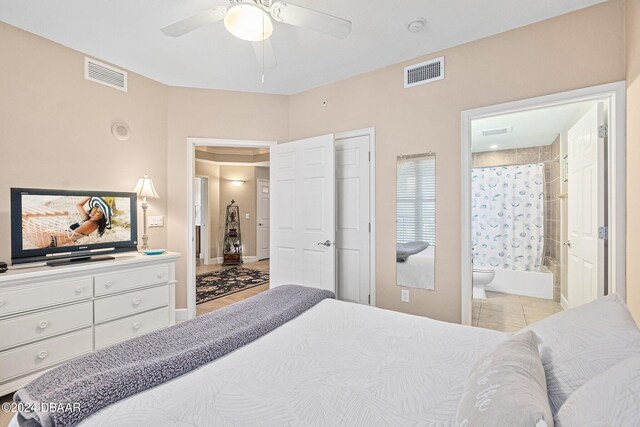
337, 364
418, 270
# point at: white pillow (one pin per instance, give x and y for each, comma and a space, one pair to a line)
580, 343
507, 387
609, 399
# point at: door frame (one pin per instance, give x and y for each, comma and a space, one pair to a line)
192, 143
371, 133
205, 243
615, 93
258, 216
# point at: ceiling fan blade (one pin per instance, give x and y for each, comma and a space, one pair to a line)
194, 22
269, 55
312, 19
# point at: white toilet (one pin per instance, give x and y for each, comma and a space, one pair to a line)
481, 278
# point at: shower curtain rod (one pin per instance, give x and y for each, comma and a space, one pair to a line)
516, 164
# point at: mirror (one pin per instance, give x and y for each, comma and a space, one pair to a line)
416, 221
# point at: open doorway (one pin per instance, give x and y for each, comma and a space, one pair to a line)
347, 189
543, 187
229, 203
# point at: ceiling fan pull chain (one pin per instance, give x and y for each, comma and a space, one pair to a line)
263, 51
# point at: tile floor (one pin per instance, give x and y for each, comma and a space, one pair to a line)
216, 304
510, 313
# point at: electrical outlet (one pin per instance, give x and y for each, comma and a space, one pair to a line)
404, 295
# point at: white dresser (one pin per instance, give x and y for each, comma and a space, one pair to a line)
49, 315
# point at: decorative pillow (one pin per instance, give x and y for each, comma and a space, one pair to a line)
609, 399
507, 387
580, 343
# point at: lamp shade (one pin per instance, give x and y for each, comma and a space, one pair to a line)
145, 188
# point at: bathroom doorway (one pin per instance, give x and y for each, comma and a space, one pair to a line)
539, 180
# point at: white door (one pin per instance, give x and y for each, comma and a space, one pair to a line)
262, 208
303, 213
586, 204
352, 222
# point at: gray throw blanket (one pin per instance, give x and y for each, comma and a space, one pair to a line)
90, 383
405, 250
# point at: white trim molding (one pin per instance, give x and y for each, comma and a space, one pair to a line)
614, 93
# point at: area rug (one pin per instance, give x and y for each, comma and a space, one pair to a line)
217, 284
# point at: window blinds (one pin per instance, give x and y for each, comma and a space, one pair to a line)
416, 200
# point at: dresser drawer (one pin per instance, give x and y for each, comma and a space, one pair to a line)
117, 282
129, 327
122, 305
46, 294
44, 324
45, 353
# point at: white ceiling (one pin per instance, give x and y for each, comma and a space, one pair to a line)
526, 129
127, 33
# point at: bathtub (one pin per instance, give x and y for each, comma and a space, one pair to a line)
537, 284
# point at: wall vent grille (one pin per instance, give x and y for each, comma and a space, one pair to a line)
496, 131
425, 72
102, 73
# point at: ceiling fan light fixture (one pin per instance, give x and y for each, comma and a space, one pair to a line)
248, 22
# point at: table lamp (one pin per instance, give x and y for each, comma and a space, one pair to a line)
144, 188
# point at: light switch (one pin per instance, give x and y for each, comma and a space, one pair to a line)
156, 221
246, 216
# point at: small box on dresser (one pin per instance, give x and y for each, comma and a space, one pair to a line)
51, 315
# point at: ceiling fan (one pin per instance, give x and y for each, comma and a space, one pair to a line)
252, 20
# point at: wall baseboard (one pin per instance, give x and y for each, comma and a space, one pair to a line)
245, 259
182, 314
564, 303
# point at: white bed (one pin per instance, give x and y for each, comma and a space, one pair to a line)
336, 364
418, 270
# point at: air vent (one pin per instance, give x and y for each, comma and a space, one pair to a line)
425, 72
102, 73
496, 131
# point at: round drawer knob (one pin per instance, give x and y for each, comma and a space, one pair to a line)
79, 289
108, 284
42, 354
136, 302
43, 324
160, 275
136, 326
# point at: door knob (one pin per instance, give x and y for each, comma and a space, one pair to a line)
326, 243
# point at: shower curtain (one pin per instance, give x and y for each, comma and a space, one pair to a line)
507, 217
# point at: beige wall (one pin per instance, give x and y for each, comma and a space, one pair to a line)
44, 114
543, 58
633, 155
211, 114
212, 172
245, 197
55, 127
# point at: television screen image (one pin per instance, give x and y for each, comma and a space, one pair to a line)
59, 221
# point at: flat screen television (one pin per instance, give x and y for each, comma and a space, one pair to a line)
60, 226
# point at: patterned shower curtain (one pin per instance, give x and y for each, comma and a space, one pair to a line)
507, 217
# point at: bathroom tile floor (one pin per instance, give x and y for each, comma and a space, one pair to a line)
510, 313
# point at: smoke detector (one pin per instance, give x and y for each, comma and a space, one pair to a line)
416, 25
